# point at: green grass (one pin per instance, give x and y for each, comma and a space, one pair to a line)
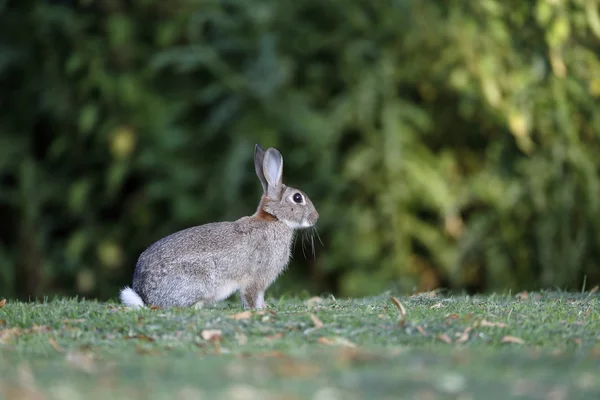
68, 349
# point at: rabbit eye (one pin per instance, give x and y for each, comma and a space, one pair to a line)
297, 198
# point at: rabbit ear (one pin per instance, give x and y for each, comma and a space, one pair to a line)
259, 155
273, 170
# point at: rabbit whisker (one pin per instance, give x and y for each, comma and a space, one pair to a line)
303, 244
318, 236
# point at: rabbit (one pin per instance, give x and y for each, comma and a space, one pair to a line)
201, 265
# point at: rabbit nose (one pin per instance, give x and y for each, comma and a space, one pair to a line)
313, 216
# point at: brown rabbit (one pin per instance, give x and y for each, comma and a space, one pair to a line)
202, 265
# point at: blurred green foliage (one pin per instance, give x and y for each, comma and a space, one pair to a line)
445, 143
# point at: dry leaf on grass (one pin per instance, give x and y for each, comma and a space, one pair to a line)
55, 345
445, 338
274, 337
318, 323
241, 315
399, 306
292, 368
522, 295
212, 335
512, 339
336, 341
436, 305
593, 290
140, 337
452, 316
422, 330
464, 336
2, 303
488, 324
7, 334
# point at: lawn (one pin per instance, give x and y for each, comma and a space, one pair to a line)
428, 346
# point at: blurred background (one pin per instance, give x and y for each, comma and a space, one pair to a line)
446, 144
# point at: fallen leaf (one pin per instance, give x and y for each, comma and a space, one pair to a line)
522, 295
318, 323
290, 367
336, 341
437, 305
2, 303
445, 338
274, 337
242, 315
399, 306
212, 335
421, 330
7, 334
488, 324
55, 345
464, 336
155, 307
512, 339
594, 289
452, 316
141, 337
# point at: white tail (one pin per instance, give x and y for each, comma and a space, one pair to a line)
130, 298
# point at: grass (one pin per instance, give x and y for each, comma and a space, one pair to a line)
536, 346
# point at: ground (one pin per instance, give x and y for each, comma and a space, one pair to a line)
428, 346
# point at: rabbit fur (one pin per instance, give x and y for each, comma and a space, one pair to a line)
202, 265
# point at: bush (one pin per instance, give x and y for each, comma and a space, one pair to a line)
443, 145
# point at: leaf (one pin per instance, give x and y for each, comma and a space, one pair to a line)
399, 306
488, 324
141, 337
452, 316
522, 295
55, 345
336, 341
437, 305
7, 334
241, 315
318, 323
212, 335
463, 337
512, 339
274, 337
594, 289
445, 338
2, 303
422, 330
